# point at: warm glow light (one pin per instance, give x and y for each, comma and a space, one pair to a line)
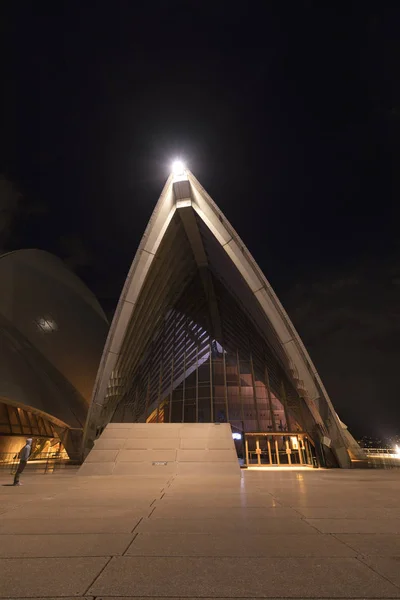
178, 168
397, 448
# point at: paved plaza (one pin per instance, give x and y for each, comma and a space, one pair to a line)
264, 534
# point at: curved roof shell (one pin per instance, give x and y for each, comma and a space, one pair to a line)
52, 335
157, 276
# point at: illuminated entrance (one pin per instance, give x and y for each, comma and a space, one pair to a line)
275, 449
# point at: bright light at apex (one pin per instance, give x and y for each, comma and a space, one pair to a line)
178, 167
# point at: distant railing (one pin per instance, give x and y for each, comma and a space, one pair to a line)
390, 452
382, 458
45, 462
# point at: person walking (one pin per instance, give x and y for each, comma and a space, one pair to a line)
24, 455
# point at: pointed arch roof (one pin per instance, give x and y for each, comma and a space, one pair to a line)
213, 240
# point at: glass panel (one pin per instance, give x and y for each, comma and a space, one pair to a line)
182, 351
177, 412
48, 428
177, 395
190, 411
14, 420
234, 403
218, 373
252, 451
12, 414
42, 430
23, 417
4, 420
279, 414
32, 419
231, 375
204, 410
219, 412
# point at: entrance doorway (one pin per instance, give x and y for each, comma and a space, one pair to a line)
275, 449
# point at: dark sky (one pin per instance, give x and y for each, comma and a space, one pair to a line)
287, 112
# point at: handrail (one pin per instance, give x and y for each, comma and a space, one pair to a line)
382, 451
44, 462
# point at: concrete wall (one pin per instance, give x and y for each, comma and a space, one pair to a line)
154, 449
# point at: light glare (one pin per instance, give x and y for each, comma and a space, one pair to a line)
178, 168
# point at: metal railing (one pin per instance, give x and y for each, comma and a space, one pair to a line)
390, 452
382, 458
44, 463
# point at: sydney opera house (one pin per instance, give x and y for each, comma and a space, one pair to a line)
198, 336
52, 333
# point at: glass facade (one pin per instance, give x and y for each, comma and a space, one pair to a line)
188, 374
200, 336
17, 421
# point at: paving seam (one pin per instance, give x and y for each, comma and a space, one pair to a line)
130, 544
348, 545
303, 518
223, 597
97, 576
203, 598
376, 572
312, 526
49, 557
137, 524
217, 556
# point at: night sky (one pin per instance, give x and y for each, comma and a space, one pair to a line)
287, 112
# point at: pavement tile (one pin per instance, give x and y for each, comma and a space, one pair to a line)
350, 512
241, 577
55, 598
43, 526
382, 544
58, 545
242, 526
389, 567
48, 576
54, 511
8, 501
221, 512
214, 548
330, 499
128, 503
356, 525
276, 545
231, 501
